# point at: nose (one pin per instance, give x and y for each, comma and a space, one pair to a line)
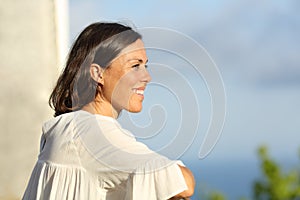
146, 76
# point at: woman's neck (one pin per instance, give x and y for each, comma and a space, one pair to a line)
101, 107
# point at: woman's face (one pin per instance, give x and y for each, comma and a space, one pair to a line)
125, 80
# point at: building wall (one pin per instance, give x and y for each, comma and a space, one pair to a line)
29, 57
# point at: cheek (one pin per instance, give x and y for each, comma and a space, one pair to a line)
122, 90
127, 83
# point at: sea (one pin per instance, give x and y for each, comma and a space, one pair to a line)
232, 179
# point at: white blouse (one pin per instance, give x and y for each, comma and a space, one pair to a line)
85, 156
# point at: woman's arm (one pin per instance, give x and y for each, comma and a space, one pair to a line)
190, 182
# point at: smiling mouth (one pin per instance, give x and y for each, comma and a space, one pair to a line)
138, 91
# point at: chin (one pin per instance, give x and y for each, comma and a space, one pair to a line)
135, 109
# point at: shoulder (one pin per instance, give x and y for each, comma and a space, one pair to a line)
86, 122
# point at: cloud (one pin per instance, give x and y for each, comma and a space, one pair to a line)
255, 40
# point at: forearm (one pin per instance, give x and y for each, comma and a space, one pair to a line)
190, 182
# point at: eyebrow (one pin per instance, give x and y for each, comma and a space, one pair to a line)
139, 60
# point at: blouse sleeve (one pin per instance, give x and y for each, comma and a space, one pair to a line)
157, 179
151, 175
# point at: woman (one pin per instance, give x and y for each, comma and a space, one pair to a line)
85, 153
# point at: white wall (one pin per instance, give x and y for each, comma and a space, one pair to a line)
30, 53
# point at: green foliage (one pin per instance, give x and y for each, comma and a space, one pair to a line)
207, 193
216, 196
212, 195
275, 184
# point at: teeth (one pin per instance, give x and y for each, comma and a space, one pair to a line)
139, 91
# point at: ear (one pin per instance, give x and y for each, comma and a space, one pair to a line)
97, 73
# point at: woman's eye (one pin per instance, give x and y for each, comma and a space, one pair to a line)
136, 66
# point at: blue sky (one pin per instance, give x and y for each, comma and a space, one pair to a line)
255, 45
257, 39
